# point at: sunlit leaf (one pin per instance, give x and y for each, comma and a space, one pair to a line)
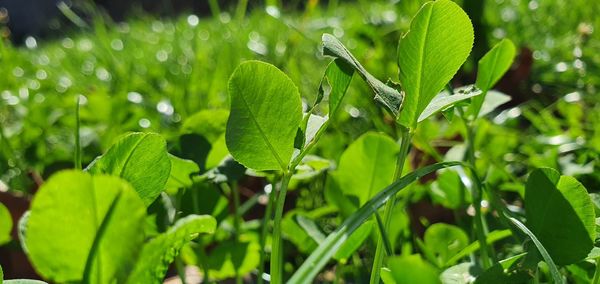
438, 42
109, 219
265, 115
139, 158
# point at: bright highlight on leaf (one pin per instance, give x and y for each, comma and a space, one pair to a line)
265, 115
438, 43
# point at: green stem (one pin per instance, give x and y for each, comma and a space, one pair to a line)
77, 158
203, 261
180, 269
476, 190
265, 231
214, 9
233, 190
240, 10
277, 247
389, 206
596, 279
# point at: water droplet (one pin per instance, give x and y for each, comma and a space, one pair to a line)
144, 123
134, 97
30, 42
193, 20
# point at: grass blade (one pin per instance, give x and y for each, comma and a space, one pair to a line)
327, 249
556, 276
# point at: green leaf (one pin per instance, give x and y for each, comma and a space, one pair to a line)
295, 233
354, 242
412, 269
444, 241
561, 214
444, 100
337, 76
231, 258
209, 123
107, 216
493, 99
181, 173
367, 166
491, 238
158, 253
311, 228
139, 158
22, 229
313, 125
319, 257
491, 68
6, 225
448, 190
265, 115
384, 94
438, 43
217, 153
556, 276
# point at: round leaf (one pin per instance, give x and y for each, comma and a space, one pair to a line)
438, 43
366, 167
266, 111
444, 241
82, 224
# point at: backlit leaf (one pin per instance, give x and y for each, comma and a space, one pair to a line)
438, 43
265, 115
139, 158
444, 100
80, 222
491, 68
413, 269
366, 167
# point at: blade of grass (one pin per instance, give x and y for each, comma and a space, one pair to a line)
556, 276
319, 257
383, 233
95, 250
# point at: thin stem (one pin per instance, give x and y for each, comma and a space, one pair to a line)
240, 10
389, 206
180, 269
233, 190
265, 231
277, 247
203, 261
214, 9
476, 194
596, 279
77, 158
